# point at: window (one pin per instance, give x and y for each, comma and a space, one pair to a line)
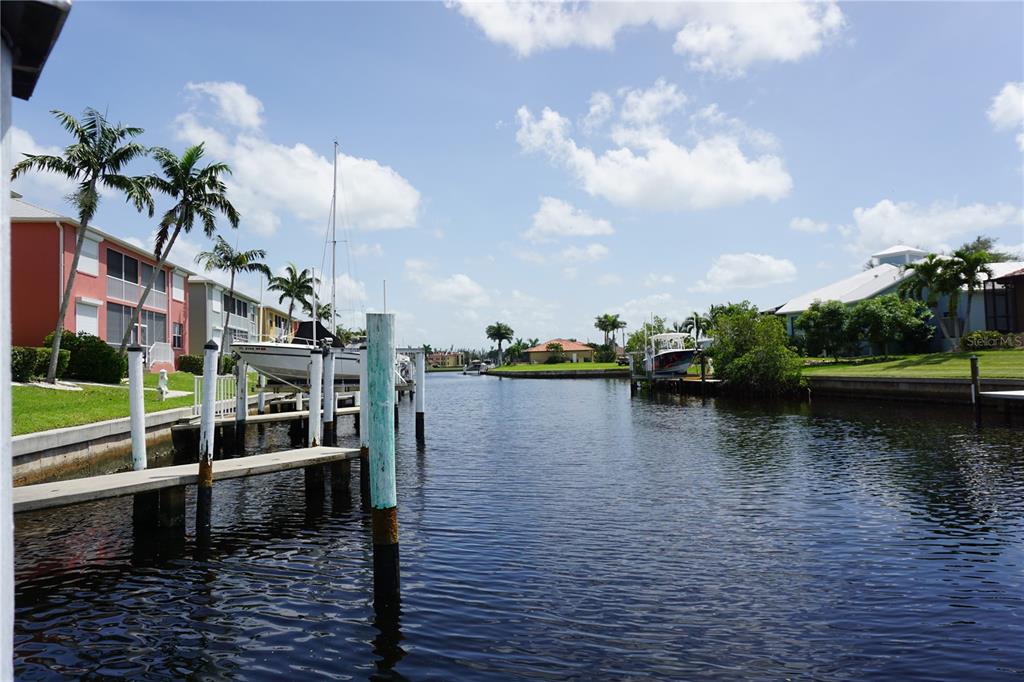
161, 278
236, 306
118, 317
177, 335
239, 335
156, 327
178, 283
120, 266
131, 269
89, 261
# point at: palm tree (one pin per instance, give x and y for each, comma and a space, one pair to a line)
323, 311
295, 286
928, 276
515, 349
226, 258
696, 324
678, 327
499, 332
198, 193
970, 265
608, 324
95, 159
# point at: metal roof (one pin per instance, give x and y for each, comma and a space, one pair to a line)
850, 290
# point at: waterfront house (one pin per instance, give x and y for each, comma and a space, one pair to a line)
210, 306
273, 324
111, 276
446, 359
573, 351
991, 304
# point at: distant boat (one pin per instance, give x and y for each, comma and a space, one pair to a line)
476, 367
668, 357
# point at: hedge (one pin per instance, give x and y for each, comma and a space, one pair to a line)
68, 340
96, 360
23, 363
191, 363
43, 361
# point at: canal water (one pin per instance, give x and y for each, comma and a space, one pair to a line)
562, 530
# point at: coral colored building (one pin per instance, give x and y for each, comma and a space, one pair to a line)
112, 275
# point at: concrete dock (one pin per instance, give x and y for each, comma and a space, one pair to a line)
264, 418
62, 493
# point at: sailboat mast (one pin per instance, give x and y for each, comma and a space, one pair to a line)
334, 243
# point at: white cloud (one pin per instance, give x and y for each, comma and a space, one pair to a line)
636, 310
654, 280
609, 279
234, 103
529, 256
275, 182
47, 186
350, 290
646, 107
725, 38
711, 120
557, 218
601, 109
808, 225
456, 290
661, 174
570, 272
590, 253
1007, 110
745, 270
889, 222
363, 250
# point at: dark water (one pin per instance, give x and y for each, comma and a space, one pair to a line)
561, 530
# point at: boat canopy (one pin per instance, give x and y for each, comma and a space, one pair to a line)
673, 340
304, 335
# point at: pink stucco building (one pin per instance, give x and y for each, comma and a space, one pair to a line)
112, 274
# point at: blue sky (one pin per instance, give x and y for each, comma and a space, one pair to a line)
543, 164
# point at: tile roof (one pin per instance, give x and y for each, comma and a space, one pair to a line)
567, 345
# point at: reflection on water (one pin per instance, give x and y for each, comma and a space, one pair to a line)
561, 530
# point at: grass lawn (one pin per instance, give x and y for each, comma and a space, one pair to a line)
1007, 364
40, 409
562, 367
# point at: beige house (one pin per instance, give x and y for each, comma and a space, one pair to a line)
446, 359
572, 350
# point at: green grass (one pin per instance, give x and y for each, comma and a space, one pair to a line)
40, 409
562, 367
1005, 364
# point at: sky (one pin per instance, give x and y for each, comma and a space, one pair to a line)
540, 164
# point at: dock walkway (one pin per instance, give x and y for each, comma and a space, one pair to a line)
75, 491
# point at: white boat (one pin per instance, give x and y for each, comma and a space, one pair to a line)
289, 362
670, 355
476, 367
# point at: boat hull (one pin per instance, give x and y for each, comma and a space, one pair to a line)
290, 362
673, 364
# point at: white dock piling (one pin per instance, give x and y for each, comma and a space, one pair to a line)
316, 370
241, 393
420, 358
261, 397
137, 406
330, 402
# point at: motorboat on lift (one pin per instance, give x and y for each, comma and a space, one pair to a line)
288, 361
669, 355
476, 367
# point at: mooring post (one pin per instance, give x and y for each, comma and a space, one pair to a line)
364, 432
420, 358
380, 333
316, 377
261, 397
703, 373
298, 401
207, 428
241, 403
329, 436
976, 389
137, 406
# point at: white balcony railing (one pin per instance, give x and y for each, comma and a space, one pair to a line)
131, 293
160, 353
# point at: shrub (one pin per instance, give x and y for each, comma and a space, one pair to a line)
23, 363
192, 364
95, 360
68, 340
825, 327
227, 364
43, 361
752, 353
554, 360
605, 354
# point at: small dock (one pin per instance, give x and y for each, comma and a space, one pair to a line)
76, 491
1002, 395
193, 423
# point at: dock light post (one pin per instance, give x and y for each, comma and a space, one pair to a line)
207, 428
364, 432
329, 436
420, 394
316, 373
137, 406
380, 333
241, 404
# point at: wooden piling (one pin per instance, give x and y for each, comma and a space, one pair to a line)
316, 370
364, 432
380, 332
137, 406
207, 429
241, 404
330, 401
976, 390
420, 394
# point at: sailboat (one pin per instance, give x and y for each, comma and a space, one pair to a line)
287, 361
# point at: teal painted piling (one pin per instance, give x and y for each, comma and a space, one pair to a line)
380, 394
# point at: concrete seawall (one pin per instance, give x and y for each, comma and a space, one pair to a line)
562, 374
956, 391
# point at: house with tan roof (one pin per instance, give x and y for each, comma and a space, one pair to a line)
573, 351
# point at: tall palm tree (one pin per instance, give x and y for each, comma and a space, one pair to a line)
608, 324
294, 285
94, 160
696, 324
323, 311
970, 265
499, 332
198, 194
226, 258
928, 276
